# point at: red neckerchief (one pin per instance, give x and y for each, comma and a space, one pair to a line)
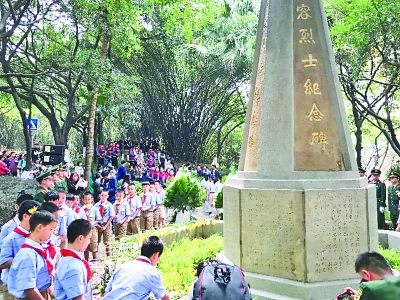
117, 207
101, 209
67, 252
51, 250
78, 210
43, 254
144, 199
20, 232
143, 260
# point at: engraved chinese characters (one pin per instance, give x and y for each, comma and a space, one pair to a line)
332, 239
317, 145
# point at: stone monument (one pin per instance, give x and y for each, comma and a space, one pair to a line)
297, 214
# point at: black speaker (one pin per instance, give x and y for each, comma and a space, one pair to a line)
53, 159
54, 149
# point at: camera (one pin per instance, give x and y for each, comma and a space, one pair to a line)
344, 296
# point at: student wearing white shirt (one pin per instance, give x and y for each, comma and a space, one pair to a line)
136, 279
135, 205
148, 202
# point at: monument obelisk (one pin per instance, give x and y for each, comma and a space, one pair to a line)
297, 214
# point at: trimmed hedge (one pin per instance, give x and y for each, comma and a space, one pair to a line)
10, 187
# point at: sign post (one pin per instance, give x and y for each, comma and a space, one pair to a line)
33, 125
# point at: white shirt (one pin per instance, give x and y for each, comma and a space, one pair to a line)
135, 280
79, 170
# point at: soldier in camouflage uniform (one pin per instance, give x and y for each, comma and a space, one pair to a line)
380, 197
393, 199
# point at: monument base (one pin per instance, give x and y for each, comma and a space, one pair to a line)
308, 235
273, 288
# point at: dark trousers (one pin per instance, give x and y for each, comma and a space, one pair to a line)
394, 219
100, 161
381, 220
114, 161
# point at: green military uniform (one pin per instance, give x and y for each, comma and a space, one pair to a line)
393, 200
62, 183
380, 198
379, 290
40, 195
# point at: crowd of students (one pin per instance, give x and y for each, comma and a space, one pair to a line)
50, 234
45, 247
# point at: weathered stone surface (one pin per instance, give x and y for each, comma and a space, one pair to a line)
297, 211
272, 233
336, 232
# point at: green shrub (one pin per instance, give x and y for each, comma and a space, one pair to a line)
219, 199
392, 256
184, 193
138, 185
10, 187
179, 260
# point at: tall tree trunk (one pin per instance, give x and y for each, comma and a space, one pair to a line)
92, 117
358, 134
99, 131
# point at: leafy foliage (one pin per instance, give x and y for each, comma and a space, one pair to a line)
180, 259
219, 199
392, 256
184, 193
366, 40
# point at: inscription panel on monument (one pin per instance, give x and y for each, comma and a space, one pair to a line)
272, 233
336, 232
317, 146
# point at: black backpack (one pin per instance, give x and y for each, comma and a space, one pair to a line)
221, 281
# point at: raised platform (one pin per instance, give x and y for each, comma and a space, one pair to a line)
389, 239
273, 288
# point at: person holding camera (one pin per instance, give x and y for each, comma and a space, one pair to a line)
378, 280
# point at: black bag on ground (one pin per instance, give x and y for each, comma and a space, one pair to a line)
220, 282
